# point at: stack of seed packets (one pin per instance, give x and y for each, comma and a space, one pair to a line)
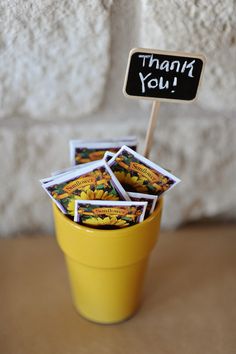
120, 190
82, 151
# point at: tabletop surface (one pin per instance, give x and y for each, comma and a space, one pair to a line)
188, 305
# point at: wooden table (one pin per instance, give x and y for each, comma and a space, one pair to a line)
189, 302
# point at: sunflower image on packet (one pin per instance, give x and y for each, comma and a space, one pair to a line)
109, 214
142, 197
83, 151
138, 174
96, 181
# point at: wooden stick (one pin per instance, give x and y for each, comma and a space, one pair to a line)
151, 128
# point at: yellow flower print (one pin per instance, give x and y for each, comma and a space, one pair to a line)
89, 195
97, 173
71, 205
126, 178
137, 183
113, 221
98, 194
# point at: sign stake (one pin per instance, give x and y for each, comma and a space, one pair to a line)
151, 127
162, 76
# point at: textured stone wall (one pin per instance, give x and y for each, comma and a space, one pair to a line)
62, 66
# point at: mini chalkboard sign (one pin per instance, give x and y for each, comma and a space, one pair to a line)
155, 74
162, 76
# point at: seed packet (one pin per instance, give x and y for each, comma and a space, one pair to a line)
142, 197
109, 214
96, 181
82, 151
138, 174
107, 156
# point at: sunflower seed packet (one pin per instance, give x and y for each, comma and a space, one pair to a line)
142, 197
109, 214
82, 151
96, 181
138, 174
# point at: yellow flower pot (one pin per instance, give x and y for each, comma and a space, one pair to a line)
107, 267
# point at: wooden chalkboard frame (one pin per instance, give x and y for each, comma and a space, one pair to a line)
168, 53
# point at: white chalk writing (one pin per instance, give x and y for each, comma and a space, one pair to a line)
154, 82
167, 65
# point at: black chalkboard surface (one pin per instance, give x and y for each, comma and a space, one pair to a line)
162, 75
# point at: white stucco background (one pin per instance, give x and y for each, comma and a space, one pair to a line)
62, 66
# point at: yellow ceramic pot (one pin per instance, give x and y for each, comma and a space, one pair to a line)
107, 267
